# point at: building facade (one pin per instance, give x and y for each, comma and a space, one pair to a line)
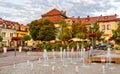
106, 23
12, 31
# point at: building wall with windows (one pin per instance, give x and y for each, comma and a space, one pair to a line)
107, 27
7, 34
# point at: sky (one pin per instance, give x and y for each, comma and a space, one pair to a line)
25, 11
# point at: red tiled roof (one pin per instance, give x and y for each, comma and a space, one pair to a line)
54, 15
53, 12
1, 20
54, 19
88, 20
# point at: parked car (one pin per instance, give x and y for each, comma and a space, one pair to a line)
28, 48
104, 45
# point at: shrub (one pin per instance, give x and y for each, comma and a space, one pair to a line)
117, 47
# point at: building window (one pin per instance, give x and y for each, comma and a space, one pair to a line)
11, 34
3, 34
69, 23
108, 27
103, 27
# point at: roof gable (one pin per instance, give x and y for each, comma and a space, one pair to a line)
51, 12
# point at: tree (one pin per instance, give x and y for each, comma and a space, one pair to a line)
33, 28
79, 27
42, 30
65, 31
80, 35
26, 38
1, 40
95, 33
116, 34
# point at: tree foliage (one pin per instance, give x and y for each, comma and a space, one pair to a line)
116, 34
1, 38
42, 30
96, 30
79, 30
65, 32
26, 38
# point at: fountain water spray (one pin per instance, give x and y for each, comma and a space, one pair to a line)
61, 54
39, 60
14, 66
53, 68
68, 54
31, 66
108, 56
76, 69
103, 69
72, 51
28, 62
53, 54
45, 58
64, 60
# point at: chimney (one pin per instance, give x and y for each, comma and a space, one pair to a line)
63, 12
78, 17
88, 16
72, 16
115, 14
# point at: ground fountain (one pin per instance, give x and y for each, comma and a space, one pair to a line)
45, 58
103, 69
108, 56
61, 54
64, 58
71, 54
39, 60
76, 69
54, 57
68, 53
28, 62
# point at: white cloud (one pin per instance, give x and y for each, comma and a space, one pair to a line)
24, 11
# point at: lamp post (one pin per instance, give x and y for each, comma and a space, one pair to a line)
92, 46
92, 27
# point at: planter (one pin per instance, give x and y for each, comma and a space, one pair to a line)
117, 51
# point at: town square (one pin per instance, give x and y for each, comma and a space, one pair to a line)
59, 37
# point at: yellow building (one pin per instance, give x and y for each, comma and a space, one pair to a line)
22, 31
106, 23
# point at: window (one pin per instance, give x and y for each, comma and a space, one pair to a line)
11, 34
69, 23
108, 27
103, 27
3, 34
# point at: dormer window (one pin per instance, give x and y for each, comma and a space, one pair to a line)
4, 25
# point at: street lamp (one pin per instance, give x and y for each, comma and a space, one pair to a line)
92, 46
92, 27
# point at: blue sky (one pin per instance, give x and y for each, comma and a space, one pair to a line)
24, 11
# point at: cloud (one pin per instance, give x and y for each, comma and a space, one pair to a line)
24, 11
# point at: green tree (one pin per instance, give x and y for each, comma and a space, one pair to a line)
65, 31
26, 38
1, 40
77, 28
96, 33
116, 34
80, 35
42, 30
33, 28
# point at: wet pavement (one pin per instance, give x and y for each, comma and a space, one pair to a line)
11, 64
